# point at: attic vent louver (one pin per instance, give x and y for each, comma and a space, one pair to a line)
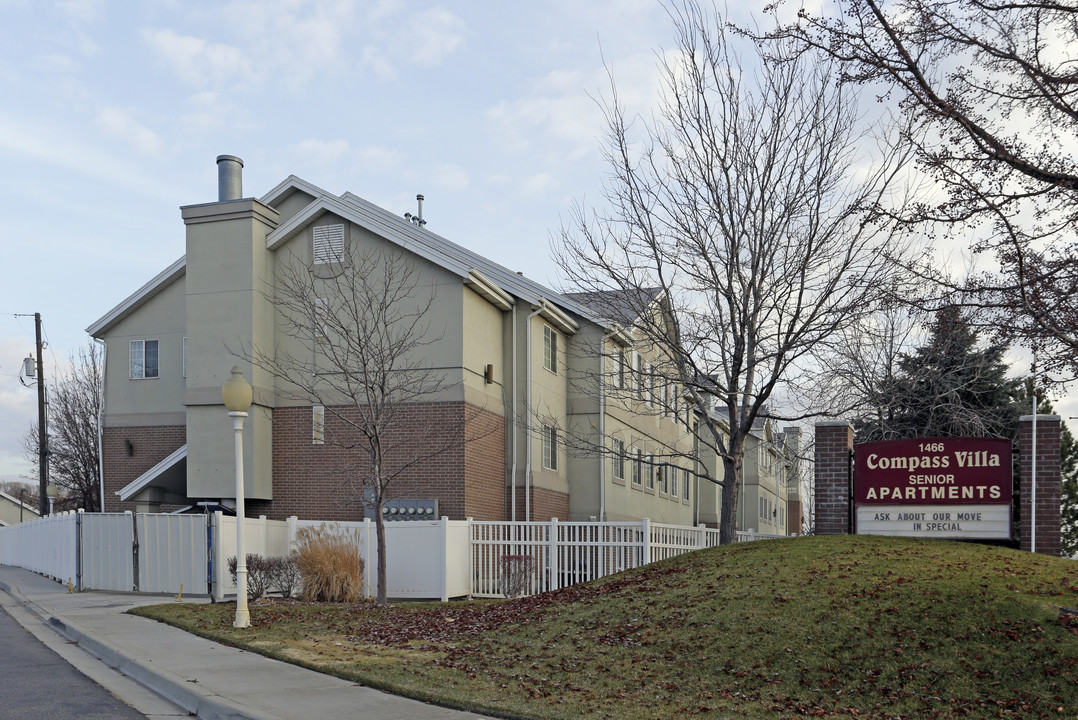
328, 244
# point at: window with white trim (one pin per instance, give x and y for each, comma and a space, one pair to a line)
663, 471
685, 484
619, 459
619, 367
318, 424
638, 380
550, 447
649, 473
637, 462
328, 241
144, 363
550, 349
674, 492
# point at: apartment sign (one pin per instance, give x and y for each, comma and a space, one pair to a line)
934, 487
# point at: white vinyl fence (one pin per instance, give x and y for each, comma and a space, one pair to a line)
425, 559
548, 556
112, 551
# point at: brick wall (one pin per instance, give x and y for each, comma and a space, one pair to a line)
834, 442
150, 445
1049, 480
485, 491
452, 452
546, 504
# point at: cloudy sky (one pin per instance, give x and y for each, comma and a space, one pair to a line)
114, 112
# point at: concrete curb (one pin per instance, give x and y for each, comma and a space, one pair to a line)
184, 694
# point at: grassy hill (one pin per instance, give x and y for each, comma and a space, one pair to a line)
824, 627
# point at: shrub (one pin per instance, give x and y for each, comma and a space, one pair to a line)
258, 575
517, 573
329, 564
284, 575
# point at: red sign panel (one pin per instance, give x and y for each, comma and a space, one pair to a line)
933, 471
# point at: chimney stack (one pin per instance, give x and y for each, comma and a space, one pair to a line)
229, 178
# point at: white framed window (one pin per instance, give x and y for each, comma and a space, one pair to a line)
144, 364
550, 447
617, 371
674, 491
663, 471
619, 459
649, 473
550, 349
649, 384
637, 462
685, 484
318, 424
328, 241
638, 379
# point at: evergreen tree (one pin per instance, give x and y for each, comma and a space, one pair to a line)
950, 386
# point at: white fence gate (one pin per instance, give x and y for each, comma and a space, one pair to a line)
113, 551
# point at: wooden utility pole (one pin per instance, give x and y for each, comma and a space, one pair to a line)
42, 428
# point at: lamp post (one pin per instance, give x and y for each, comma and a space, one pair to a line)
236, 394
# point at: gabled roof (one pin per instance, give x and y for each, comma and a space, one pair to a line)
621, 306
170, 474
490, 279
139, 298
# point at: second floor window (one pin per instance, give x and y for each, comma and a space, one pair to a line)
143, 359
619, 459
550, 349
550, 447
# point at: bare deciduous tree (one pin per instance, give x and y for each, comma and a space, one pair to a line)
363, 324
744, 204
74, 413
992, 91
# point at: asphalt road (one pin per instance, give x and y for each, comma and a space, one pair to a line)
37, 684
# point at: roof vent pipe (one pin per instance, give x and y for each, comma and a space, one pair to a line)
229, 178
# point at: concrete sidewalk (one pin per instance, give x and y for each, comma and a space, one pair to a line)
199, 676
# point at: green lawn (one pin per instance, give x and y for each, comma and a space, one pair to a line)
825, 627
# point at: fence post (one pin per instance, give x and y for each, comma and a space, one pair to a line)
471, 557
134, 550
645, 548
292, 529
552, 561
367, 557
701, 534
218, 557
78, 551
445, 559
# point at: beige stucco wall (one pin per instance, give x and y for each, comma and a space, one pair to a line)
228, 267
150, 401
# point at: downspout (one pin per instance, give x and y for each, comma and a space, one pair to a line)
1033, 500
528, 410
101, 421
515, 420
602, 424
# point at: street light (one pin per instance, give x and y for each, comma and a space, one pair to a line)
236, 394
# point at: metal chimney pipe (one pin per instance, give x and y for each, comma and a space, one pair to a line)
421, 221
229, 178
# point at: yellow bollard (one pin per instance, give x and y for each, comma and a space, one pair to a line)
70, 587
179, 598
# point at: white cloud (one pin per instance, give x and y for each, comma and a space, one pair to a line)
122, 126
450, 177
81, 10
538, 184
379, 62
198, 62
378, 158
433, 35
324, 152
